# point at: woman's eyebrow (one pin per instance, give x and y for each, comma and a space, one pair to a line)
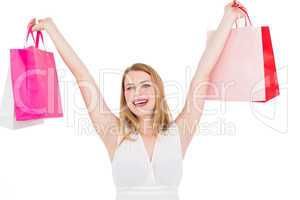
139, 82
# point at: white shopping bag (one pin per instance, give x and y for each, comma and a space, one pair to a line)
7, 111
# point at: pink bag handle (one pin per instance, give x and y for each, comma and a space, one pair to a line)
38, 34
29, 32
235, 4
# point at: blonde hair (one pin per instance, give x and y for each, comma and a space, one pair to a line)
162, 115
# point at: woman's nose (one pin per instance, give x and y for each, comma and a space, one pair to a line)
138, 91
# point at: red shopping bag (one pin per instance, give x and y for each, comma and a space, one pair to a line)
34, 81
245, 70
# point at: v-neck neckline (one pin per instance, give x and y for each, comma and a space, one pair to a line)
149, 159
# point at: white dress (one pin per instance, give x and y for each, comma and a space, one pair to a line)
136, 177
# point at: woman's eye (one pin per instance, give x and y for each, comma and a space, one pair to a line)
129, 88
146, 85
133, 87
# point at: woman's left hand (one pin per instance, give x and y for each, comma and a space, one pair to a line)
234, 10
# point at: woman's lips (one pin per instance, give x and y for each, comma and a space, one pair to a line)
140, 102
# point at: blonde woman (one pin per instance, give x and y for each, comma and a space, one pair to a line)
145, 144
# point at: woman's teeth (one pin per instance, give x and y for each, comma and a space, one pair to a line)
141, 102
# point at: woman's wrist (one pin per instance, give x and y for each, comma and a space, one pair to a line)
49, 25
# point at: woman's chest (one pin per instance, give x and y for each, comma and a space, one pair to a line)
132, 166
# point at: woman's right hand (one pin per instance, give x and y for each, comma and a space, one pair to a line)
42, 24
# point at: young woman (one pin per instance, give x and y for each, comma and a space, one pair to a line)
145, 145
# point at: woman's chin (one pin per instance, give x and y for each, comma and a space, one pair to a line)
141, 113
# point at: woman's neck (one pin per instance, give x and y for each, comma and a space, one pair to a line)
146, 126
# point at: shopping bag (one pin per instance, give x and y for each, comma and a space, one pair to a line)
7, 110
245, 70
34, 81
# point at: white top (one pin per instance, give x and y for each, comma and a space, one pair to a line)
137, 177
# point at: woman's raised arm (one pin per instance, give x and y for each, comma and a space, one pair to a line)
104, 121
188, 119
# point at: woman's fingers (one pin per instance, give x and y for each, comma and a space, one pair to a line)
240, 8
36, 27
31, 23
239, 5
237, 8
40, 25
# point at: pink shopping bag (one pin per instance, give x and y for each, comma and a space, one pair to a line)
246, 69
34, 81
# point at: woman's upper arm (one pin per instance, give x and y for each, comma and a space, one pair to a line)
187, 125
188, 119
103, 119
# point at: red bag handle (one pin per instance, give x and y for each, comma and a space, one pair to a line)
235, 4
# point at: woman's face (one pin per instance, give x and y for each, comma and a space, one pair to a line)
139, 91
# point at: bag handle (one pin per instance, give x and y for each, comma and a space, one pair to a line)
30, 32
235, 4
39, 35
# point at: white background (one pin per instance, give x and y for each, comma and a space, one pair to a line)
248, 151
